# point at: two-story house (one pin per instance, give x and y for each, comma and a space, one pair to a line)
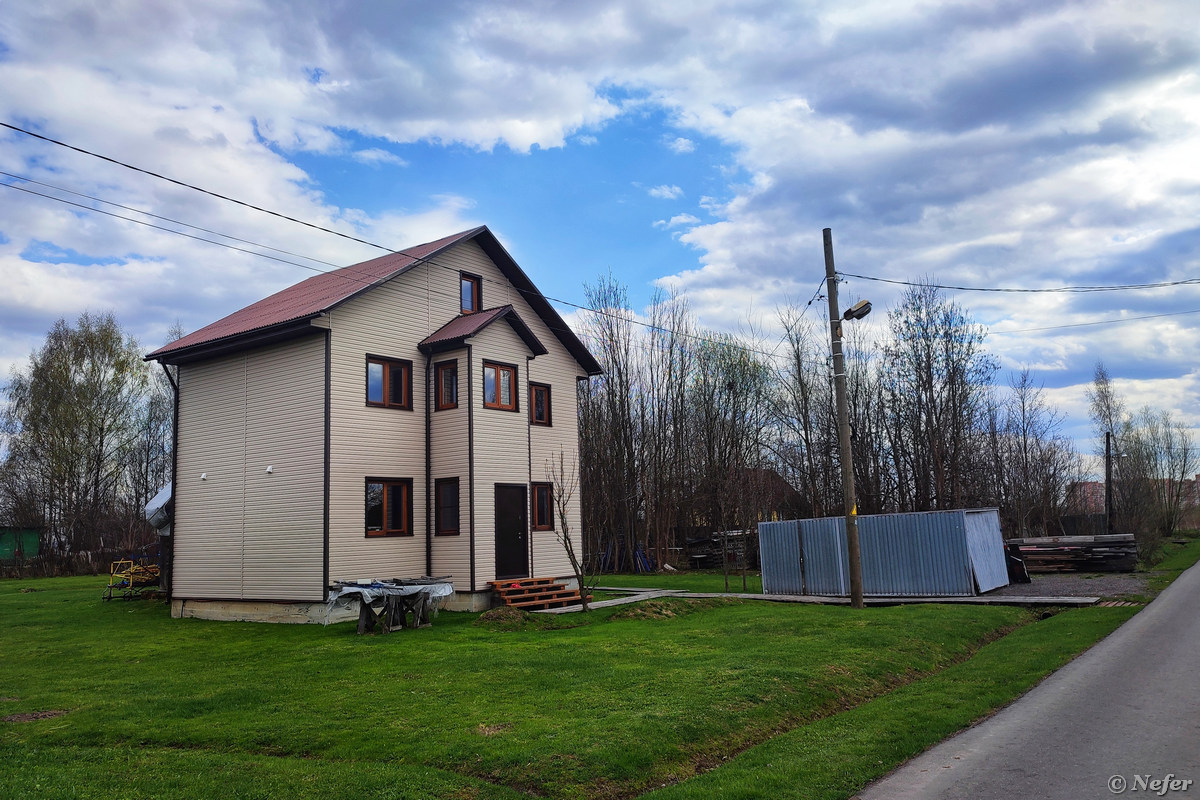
390, 419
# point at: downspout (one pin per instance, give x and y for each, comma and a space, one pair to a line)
174, 475
328, 459
471, 458
428, 468
529, 460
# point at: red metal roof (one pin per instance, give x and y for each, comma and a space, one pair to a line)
310, 297
286, 312
455, 332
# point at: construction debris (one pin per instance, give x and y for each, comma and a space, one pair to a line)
1110, 553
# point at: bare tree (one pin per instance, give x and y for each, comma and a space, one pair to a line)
565, 479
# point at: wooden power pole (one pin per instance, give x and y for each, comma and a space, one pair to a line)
843, 415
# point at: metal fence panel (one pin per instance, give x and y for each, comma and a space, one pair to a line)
920, 554
782, 561
924, 554
823, 542
986, 545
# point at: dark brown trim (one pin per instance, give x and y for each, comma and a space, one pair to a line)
439, 404
328, 438
516, 385
388, 364
174, 480
408, 507
471, 458
549, 421
477, 292
437, 504
428, 467
534, 488
292, 329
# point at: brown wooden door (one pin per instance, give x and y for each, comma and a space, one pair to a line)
512, 532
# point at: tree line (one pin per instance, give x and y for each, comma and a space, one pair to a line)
87, 436
689, 432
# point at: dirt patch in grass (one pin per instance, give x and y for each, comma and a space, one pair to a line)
30, 716
508, 619
668, 607
491, 730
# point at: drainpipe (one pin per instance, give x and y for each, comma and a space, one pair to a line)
529, 459
428, 466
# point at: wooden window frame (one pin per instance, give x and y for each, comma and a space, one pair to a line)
440, 402
439, 528
534, 388
406, 486
390, 364
476, 283
516, 390
537, 523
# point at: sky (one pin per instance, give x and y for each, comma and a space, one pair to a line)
696, 147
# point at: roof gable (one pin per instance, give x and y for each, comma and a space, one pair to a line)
455, 333
288, 312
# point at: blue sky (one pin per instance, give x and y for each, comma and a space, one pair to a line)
695, 145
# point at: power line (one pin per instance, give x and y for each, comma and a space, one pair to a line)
427, 259
193, 187
1098, 322
1045, 290
156, 216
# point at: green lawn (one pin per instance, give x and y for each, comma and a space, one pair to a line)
611, 704
692, 581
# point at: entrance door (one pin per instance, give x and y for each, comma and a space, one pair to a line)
512, 544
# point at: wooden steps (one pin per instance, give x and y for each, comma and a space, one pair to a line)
534, 594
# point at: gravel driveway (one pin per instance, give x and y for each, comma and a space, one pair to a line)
1076, 584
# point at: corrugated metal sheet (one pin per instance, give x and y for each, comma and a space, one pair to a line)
927, 554
986, 545
823, 542
779, 549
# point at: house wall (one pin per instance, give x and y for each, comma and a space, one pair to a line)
450, 458
241, 533
389, 321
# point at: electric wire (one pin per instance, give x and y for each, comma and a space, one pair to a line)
429, 260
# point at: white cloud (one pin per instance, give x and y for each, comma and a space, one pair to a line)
665, 192
376, 156
681, 145
676, 221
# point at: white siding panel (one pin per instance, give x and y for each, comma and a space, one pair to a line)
238, 533
451, 459
284, 543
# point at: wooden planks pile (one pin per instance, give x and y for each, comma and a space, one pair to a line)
534, 594
1111, 553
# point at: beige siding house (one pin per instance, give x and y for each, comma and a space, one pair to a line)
391, 419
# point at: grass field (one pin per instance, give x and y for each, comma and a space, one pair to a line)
688, 699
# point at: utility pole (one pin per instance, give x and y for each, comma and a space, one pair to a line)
1108, 493
843, 414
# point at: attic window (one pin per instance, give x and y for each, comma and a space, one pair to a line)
469, 289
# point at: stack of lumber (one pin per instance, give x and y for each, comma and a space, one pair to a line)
533, 594
1112, 553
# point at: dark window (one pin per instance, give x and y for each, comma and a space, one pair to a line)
543, 507
447, 506
447, 385
389, 507
389, 383
539, 404
500, 386
469, 289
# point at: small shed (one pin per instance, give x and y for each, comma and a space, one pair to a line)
922, 554
18, 544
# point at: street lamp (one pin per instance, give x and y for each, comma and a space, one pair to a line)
857, 311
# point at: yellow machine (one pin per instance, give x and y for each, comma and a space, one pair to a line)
129, 579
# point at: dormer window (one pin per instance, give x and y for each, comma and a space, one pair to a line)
469, 289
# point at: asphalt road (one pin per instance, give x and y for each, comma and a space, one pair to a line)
1121, 716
